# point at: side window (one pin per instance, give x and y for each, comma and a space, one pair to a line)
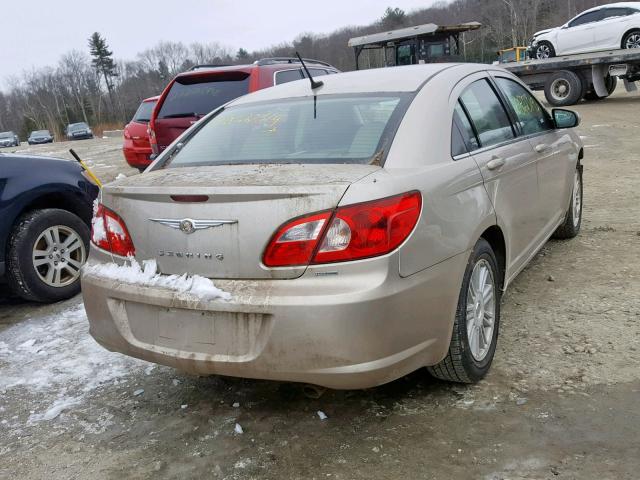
588, 18
487, 114
532, 118
463, 138
617, 12
285, 76
315, 72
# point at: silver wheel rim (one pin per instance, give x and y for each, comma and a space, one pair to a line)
560, 88
543, 52
481, 310
577, 199
633, 41
58, 254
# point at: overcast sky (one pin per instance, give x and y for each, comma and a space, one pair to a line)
36, 33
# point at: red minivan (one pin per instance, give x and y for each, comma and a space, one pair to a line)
136, 146
193, 94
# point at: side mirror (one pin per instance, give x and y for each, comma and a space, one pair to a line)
565, 118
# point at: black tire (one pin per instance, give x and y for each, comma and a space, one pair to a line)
631, 39
544, 50
22, 276
564, 88
571, 226
460, 365
610, 82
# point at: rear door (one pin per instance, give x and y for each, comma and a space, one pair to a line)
552, 149
609, 31
191, 97
507, 164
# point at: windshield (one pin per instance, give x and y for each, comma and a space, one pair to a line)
143, 114
78, 126
193, 97
333, 129
6, 134
39, 132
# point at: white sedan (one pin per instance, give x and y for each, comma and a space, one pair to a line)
607, 27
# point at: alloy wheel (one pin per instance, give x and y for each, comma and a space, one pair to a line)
543, 51
633, 41
58, 254
481, 308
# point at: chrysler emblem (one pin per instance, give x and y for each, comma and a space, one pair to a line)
186, 226
189, 225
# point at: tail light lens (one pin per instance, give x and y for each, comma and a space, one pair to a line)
109, 232
127, 135
353, 232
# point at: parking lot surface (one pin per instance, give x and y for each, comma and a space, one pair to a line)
560, 402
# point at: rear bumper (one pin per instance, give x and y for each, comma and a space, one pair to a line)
353, 331
136, 157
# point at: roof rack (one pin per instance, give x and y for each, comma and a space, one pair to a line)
205, 66
276, 60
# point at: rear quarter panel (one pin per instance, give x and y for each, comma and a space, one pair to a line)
456, 208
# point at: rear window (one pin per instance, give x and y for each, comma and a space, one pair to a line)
333, 129
196, 96
143, 114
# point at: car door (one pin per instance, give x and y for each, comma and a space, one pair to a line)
507, 165
553, 150
579, 34
610, 29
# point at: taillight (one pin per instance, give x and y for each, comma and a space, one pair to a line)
127, 135
109, 232
353, 232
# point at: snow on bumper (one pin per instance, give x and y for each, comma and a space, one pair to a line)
356, 330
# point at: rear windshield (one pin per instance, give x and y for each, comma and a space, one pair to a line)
78, 126
6, 134
143, 114
331, 129
193, 97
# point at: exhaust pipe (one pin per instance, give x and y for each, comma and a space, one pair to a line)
313, 391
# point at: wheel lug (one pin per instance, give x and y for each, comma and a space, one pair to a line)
50, 256
62, 251
55, 263
55, 249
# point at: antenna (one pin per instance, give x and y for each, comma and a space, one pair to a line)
314, 84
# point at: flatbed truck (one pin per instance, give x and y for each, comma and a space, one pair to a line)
568, 79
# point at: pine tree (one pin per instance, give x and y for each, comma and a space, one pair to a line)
242, 54
103, 61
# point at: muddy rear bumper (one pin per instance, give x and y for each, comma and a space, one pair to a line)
351, 331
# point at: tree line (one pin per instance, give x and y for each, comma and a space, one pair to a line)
94, 86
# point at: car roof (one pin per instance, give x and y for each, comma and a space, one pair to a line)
391, 79
613, 5
278, 64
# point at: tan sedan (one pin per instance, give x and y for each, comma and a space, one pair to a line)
343, 235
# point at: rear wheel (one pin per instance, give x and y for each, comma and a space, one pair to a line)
47, 248
475, 329
564, 88
545, 50
573, 218
631, 39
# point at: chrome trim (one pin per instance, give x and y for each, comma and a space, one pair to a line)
189, 225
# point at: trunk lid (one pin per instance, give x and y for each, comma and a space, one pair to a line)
250, 202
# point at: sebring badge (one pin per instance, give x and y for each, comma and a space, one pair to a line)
189, 225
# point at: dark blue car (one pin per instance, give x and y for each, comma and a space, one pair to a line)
46, 205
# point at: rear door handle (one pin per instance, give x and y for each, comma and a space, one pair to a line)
541, 148
496, 163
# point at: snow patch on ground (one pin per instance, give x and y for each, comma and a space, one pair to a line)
146, 275
60, 405
54, 354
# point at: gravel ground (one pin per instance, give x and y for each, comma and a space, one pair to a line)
560, 402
